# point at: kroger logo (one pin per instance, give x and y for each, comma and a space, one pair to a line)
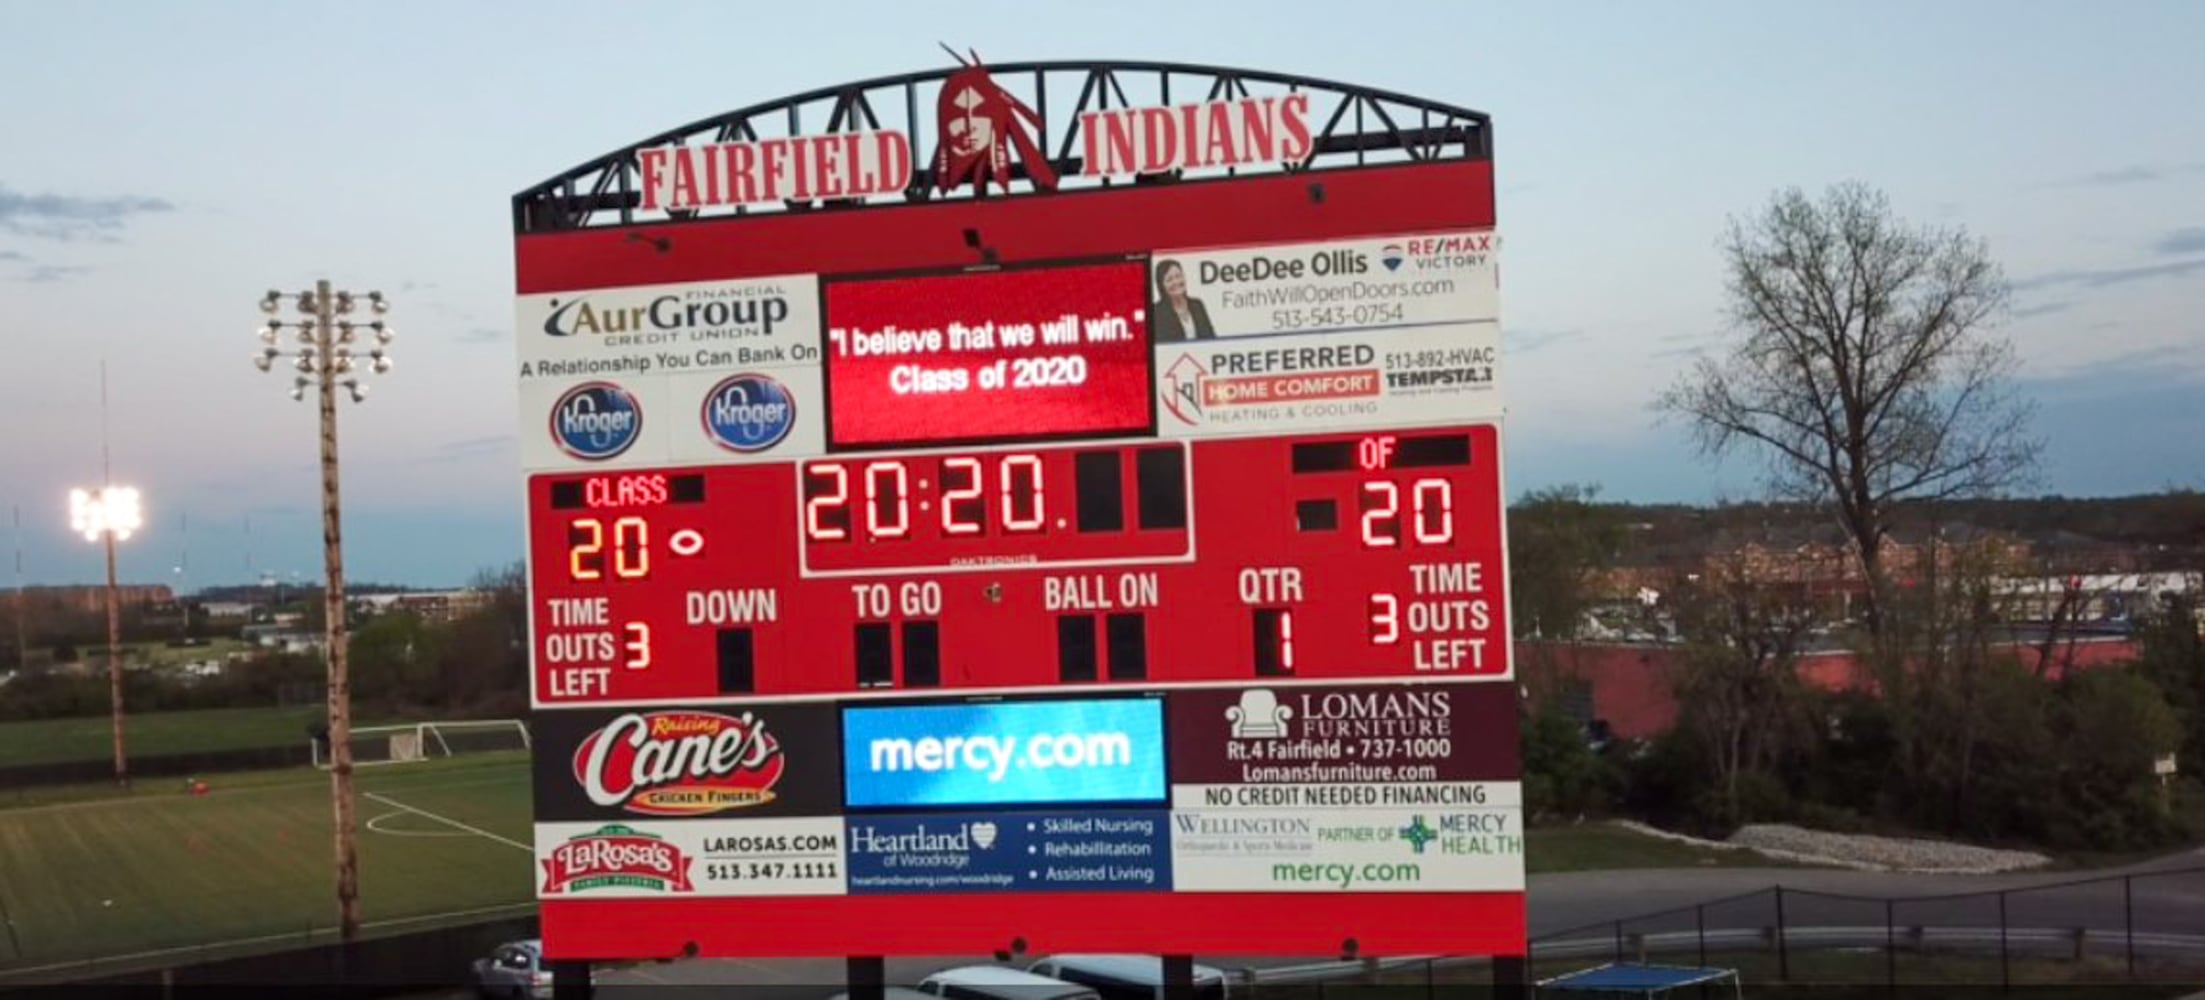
596, 420
749, 412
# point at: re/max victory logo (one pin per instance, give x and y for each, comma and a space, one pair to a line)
1100, 750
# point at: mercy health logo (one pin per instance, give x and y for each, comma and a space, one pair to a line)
616, 856
999, 753
680, 763
712, 312
595, 421
748, 413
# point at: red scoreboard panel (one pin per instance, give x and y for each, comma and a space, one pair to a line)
1115, 569
1318, 557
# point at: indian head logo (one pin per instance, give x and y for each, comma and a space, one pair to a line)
977, 124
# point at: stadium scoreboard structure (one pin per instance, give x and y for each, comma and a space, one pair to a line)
937, 539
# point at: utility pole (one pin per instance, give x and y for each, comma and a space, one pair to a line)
22, 607
109, 515
326, 361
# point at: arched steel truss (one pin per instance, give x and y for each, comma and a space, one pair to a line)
1352, 126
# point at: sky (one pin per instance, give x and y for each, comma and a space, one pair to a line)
163, 165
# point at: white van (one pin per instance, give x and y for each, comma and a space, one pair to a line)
1129, 977
995, 982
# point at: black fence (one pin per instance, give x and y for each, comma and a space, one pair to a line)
174, 765
2143, 928
388, 964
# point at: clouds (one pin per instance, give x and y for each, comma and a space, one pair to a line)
2187, 240
68, 217
2179, 243
468, 449
2130, 175
1526, 341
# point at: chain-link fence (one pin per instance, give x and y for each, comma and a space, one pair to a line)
2135, 928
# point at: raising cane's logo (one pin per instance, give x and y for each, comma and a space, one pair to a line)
680, 763
979, 122
616, 856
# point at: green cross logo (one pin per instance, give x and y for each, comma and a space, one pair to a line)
1417, 834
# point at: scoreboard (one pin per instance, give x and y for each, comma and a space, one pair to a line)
995, 568
922, 577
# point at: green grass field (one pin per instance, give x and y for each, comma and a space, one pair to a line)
47, 741
160, 869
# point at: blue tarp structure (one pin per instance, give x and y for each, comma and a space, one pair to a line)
1640, 980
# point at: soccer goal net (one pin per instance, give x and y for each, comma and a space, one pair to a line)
418, 741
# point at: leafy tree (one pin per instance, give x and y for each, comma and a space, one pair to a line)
1562, 774
2171, 641
1862, 368
1558, 542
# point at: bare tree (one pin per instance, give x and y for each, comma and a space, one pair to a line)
1863, 369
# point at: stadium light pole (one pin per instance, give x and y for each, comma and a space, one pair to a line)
325, 361
110, 515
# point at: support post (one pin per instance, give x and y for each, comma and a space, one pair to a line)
1890, 945
114, 663
571, 981
1178, 977
2128, 921
865, 976
1783, 947
1511, 977
333, 624
2005, 967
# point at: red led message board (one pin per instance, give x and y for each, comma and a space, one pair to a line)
1015, 354
919, 577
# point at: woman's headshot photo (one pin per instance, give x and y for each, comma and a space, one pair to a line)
1174, 316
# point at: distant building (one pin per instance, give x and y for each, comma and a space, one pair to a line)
432, 605
94, 598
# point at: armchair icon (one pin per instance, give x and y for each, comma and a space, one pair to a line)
1258, 716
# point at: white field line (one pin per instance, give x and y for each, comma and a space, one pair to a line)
380, 817
448, 821
94, 964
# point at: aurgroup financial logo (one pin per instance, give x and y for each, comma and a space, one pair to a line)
616, 856
748, 413
595, 421
680, 763
724, 312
